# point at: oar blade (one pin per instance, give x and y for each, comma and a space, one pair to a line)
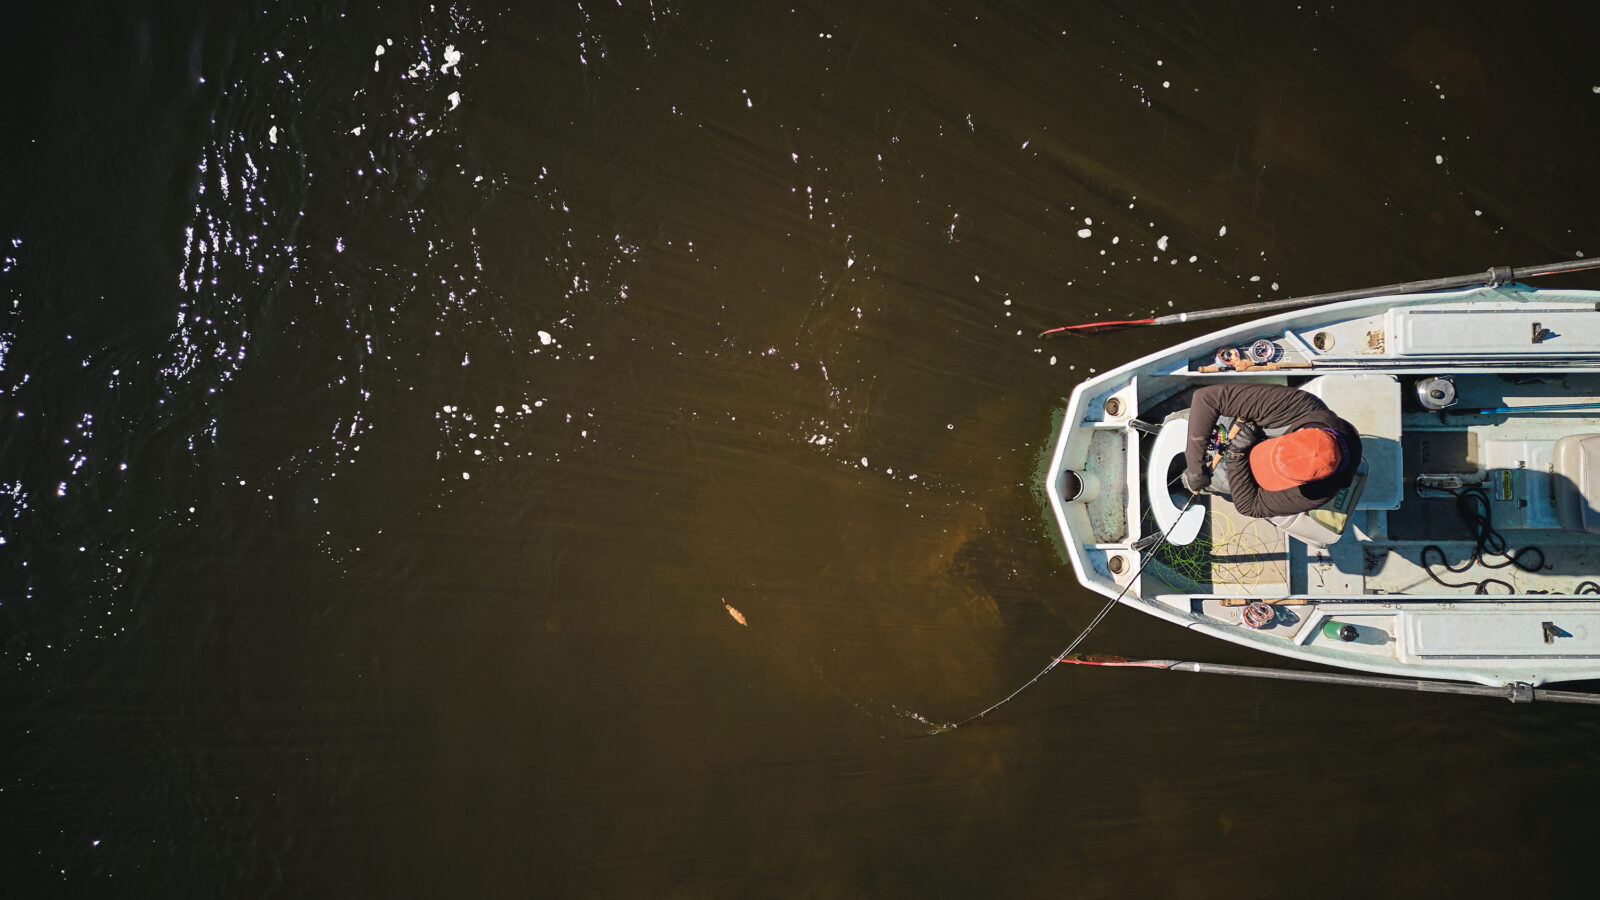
1094, 328
1095, 659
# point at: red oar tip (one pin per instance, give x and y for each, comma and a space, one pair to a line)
1093, 327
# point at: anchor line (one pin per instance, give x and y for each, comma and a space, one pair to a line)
1083, 635
1472, 504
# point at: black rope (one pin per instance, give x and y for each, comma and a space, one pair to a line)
1083, 635
1473, 506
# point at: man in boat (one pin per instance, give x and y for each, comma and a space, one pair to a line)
1287, 452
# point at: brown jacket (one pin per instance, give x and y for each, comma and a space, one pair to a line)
1273, 407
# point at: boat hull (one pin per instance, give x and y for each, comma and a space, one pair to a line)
1507, 348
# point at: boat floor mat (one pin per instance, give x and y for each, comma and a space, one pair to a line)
1245, 550
1429, 518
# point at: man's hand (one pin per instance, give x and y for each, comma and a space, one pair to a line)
1245, 436
1194, 484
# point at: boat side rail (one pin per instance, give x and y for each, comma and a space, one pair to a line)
1395, 366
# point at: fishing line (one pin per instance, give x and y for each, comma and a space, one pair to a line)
863, 702
1056, 660
1191, 561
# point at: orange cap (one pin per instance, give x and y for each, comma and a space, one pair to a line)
1296, 458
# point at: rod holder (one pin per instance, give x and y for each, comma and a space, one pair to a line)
1079, 487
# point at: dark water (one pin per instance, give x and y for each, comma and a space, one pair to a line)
385, 431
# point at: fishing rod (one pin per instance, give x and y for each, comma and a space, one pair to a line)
1494, 276
1519, 692
1064, 655
1503, 410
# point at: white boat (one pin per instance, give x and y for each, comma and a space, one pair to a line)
1485, 398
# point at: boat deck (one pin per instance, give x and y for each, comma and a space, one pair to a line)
1506, 458
1375, 577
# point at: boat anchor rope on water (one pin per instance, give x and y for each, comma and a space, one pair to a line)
1152, 542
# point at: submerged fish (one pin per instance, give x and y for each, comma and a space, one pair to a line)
737, 616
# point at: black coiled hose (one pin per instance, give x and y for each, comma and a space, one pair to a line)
1473, 506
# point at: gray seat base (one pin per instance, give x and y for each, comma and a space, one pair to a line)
1327, 523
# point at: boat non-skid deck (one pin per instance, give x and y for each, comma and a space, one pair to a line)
1504, 458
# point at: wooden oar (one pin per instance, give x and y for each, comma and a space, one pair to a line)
1496, 275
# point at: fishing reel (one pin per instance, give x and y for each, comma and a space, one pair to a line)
1257, 353
1220, 436
1219, 441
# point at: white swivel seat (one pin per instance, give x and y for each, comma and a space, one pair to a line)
1575, 482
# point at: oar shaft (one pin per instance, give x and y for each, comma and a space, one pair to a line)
1516, 693
1496, 275
1377, 681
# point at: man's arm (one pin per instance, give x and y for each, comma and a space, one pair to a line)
1248, 497
1202, 422
1267, 405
